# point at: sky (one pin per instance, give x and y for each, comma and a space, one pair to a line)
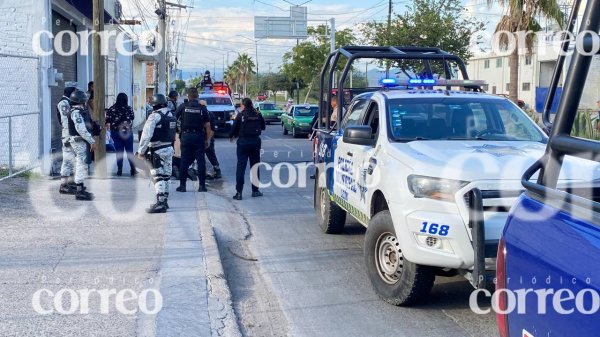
219, 29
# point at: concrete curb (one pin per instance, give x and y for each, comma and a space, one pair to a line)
223, 320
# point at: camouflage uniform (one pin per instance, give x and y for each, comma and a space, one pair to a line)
79, 144
68, 155
161, 172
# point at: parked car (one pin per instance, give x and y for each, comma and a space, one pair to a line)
297, 120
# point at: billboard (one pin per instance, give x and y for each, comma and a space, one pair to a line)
277, 27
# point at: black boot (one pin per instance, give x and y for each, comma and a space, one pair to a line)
82, 194
181, 188
159, 206
256, 194
217, 174
167, 200
237, 196
202, 188
67, 189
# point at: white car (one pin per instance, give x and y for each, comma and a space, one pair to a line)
222, 107
432, 175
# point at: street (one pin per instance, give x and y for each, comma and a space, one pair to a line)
283, 276
287, 278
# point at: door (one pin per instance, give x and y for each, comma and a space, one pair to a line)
287, 119
351, 173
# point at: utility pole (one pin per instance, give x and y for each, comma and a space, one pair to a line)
332, 34
162, 56
99, 83
389, 36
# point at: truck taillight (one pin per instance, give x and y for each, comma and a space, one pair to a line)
502, 319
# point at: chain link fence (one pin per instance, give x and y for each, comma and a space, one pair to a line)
20, 114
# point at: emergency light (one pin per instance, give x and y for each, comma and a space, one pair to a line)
388, 82
423, 81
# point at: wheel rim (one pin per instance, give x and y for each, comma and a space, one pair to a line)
323, 200
389, 259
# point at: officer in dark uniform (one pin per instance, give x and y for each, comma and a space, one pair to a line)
210, 152
195, 139
247, 127
157, 138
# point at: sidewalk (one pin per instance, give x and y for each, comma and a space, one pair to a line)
50, 241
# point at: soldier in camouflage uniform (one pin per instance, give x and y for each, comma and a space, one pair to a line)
63, 107
157, 137
80, 134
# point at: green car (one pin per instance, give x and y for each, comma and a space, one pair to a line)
270, 112
298, 119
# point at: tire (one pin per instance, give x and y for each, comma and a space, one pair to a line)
268, 123
285, 131
294, 132
332, 217
397, 281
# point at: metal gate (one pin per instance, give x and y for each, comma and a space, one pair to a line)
20, 114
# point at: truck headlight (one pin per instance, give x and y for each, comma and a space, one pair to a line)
434, 188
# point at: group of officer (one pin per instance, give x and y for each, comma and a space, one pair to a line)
196, 128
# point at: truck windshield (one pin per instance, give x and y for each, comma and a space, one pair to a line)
305, 111
460, 119
217, 100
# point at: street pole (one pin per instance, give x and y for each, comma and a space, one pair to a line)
162, 56
257, 74
332, 33
99, 90
389, 36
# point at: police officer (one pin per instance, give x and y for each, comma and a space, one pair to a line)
247, 127
206, 81
172, 100
195, 139
210, 151
157, 137
63, 107
80, 135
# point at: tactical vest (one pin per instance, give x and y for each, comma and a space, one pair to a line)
165, 129
251, 125
87, 119
192, 118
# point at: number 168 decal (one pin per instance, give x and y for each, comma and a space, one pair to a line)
435, 229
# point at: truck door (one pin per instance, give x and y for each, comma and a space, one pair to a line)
350, 171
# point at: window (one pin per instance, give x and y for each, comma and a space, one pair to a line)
527, 60
372, 118
507, 86
526, 86
499, 63
459, 119
355, 112
486, 64
309, 111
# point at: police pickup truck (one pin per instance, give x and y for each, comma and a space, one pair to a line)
221, 105
430, 167
549, 256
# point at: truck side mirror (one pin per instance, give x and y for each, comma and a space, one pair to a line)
359, 135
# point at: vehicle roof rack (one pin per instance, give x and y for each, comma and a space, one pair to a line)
353, 53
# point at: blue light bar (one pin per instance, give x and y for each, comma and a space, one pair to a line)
388, 82
424, 81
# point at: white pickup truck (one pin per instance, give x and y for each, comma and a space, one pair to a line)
432, 174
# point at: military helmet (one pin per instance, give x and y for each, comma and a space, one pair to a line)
78, 97
158, 101
173, 94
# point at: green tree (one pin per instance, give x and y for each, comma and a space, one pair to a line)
306, 60
520, 21
179, 86
427, 23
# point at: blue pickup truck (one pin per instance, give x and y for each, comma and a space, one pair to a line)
548, 262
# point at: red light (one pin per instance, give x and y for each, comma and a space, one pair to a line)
501, 319
222, 92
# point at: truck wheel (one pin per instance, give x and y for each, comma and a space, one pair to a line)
268, 123
285, 131
332, 217
396, 280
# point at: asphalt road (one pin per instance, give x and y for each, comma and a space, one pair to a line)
287, 278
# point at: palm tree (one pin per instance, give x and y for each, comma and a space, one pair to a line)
521, 17
245, 67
